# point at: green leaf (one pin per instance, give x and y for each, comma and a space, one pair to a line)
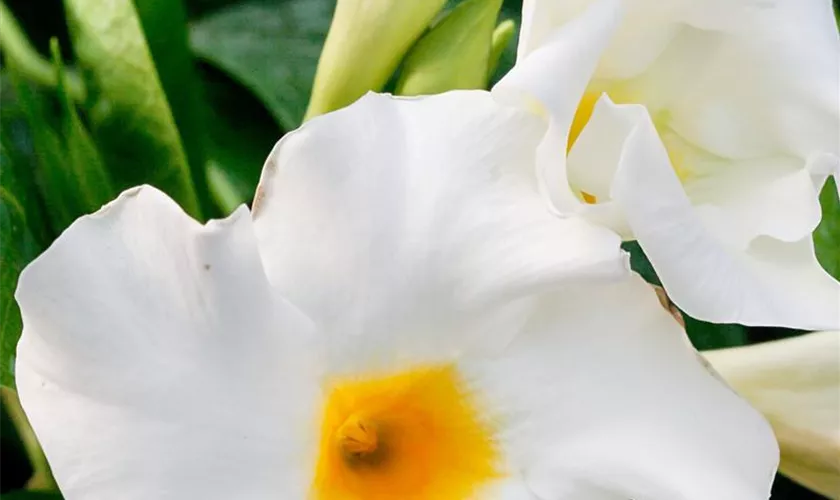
63, 207
242, 134
705, 336
20, 161
15, 421
18, 51
71, 174
271, 48
164, 24
199, 8
130, 116
18, 247
640, 263
83, 173
24, 229
827, 235
16, 469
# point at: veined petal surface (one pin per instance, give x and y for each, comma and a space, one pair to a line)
156, 361
743, 95
699, 252
396, 212
601, 396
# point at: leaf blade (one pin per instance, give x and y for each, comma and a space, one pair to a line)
270, 48
130, 116
18, 247
827, 234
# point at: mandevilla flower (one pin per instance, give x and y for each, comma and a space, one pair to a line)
744, 98
402, 317
796, 384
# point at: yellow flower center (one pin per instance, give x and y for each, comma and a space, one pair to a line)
415, 435
583, 115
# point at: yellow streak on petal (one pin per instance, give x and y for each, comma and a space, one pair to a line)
582, 116
679, 159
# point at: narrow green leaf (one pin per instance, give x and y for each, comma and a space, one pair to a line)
70, 172
17, 248
164, 24
16, 469
53, 178
270, 48
19, 52
20, 161
85, 174
454, 54
41, 477
827, 235
130, 116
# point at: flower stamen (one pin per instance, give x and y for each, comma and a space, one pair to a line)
358, 440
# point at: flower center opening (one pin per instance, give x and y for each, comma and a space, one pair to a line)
414, 435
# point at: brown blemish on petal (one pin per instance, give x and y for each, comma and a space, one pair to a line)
258, 198
669, 306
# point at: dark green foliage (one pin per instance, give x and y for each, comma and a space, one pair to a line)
271, 48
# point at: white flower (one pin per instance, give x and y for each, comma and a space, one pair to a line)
403, 318
744, 96
796, 384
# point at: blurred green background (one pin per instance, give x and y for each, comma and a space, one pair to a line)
232, 77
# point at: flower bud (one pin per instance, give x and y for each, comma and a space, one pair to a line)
795, 383
366, 42
455, 54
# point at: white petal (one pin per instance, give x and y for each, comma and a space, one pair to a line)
396, 212
595, 156
821, 166
155, 360
628, 54
768, 86
507, 489
602, 395
551, 81
769, 196
696, 254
